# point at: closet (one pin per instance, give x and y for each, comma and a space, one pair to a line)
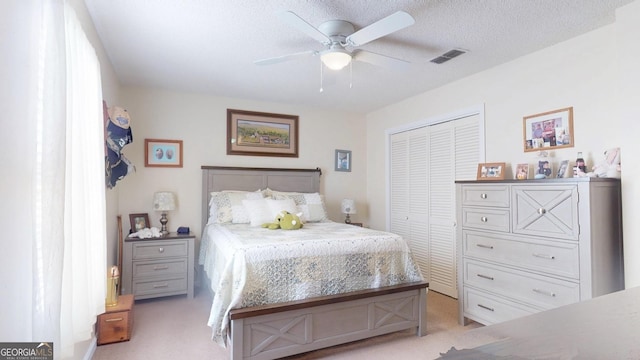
424, 162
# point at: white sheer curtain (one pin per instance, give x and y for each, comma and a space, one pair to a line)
55, 266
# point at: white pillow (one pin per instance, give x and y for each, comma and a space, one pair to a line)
311, 205
258, 211
226, 206
275, 206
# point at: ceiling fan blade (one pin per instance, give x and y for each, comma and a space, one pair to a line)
380, 60
279, 59
297, 22
394, 22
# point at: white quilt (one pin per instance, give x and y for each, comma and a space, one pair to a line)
251, 266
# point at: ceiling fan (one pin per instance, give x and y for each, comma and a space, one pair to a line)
338, 36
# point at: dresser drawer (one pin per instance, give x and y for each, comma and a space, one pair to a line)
485, 219
544, 292
555, 258
159, 250
489, 309
159, 268
485, 195
142, 287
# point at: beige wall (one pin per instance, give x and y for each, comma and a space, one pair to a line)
581, 72
200, 122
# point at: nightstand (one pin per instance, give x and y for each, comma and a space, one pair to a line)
116, 323
156, 267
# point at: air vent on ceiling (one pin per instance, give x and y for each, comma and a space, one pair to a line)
447, 56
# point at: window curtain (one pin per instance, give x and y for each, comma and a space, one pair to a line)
55, 267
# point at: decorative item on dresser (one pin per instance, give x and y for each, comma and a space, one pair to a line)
531, 245
348, 207
158, 266
164, 201
491, 171
116, 323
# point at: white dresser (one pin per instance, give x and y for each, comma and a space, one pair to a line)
525, 246
158, 266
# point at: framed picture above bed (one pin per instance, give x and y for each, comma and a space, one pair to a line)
261, 134
343, 160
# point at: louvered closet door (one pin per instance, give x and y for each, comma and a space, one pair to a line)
408, 190
453, 155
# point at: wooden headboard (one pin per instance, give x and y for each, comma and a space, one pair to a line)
218, 178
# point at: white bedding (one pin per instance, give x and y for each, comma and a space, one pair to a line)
250, 266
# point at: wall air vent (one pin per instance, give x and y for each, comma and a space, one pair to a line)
447, 56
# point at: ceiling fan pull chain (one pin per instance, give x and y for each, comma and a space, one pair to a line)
351, 75
321, 89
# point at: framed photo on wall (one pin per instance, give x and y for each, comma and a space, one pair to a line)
343, 160
261, 134
549, 130
162, 153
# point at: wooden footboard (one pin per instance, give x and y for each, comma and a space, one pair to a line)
275, 331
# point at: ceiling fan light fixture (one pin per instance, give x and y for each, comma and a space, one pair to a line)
336, 59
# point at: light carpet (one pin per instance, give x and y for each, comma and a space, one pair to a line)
176, 328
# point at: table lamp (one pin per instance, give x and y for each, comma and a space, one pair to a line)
348, 207
164, 201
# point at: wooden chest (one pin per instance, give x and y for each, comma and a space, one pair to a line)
116, 323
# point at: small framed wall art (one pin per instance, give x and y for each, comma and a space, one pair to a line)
549, 130
162, 153
343, 160
491, 171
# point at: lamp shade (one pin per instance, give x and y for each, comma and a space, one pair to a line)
336, 59
164, 201
348, 206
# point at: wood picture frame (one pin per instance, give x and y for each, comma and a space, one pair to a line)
549, 130
342, 160
162, 153
522, 171
139, 222
261, 134
491, 171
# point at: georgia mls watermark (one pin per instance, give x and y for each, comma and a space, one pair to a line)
26, 351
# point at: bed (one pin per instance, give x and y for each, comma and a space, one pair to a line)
308, 303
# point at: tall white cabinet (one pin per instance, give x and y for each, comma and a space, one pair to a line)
424, 162
533, 245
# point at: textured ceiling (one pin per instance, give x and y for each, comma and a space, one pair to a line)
209, 45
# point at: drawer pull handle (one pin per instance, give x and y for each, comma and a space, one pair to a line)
484, 219
544, 292
484, 246
483, 196
542, 211
161, 250
545, 256
485, 307
161, 268
160, 286
116, 319
485, 276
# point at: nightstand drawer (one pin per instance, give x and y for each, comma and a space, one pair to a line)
159, 268
159, 250
150, 287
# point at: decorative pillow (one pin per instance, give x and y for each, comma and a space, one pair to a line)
275, 206
309, 204
226, 206
258, 211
